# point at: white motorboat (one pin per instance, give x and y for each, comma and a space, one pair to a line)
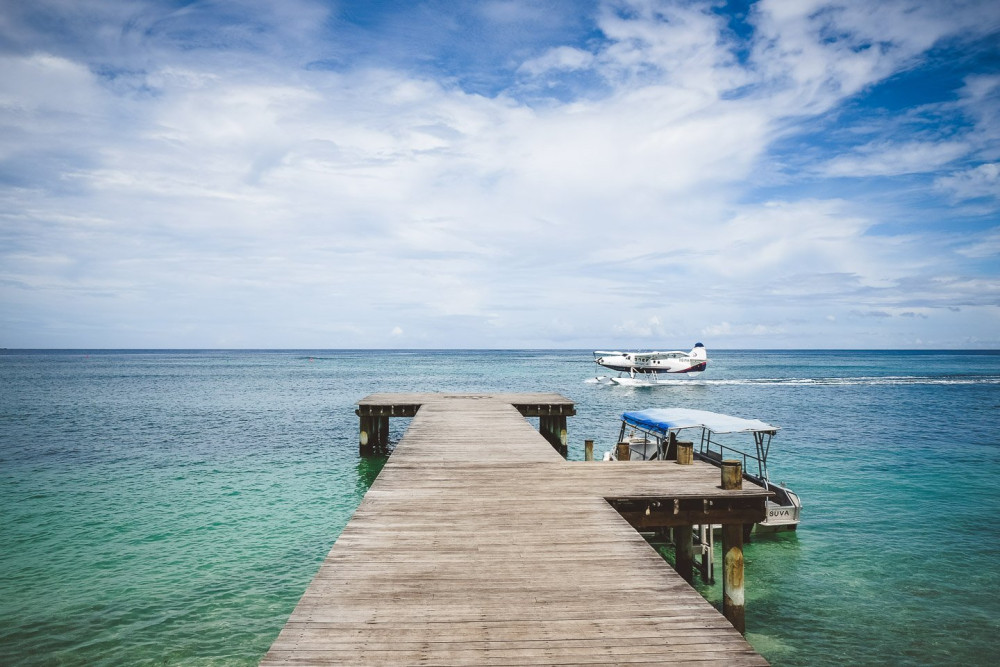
645, 368
652, 435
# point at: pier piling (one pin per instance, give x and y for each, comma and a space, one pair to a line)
733, 606
553, 427
684, 552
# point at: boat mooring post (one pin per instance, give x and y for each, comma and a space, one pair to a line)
685, 452
733, 605
623, 452
732, 475
588, 450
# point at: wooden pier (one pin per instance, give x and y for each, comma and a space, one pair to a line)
479, 544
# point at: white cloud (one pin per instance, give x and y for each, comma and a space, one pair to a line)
986, 245
981, 181
725, 330
783, 238
884, 159
828, 51
679, 45
651, 328
561, 58
980, 101
44, 84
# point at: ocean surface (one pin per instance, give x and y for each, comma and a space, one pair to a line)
171, 507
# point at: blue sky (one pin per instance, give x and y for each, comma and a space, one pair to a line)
504, 173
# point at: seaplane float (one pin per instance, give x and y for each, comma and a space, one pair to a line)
652, 435
643, 369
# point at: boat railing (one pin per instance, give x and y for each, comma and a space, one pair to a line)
724, 451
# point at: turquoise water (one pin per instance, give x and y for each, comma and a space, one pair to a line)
171, 507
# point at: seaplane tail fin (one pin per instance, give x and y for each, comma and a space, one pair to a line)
699, 352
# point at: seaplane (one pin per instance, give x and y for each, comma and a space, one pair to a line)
641, 369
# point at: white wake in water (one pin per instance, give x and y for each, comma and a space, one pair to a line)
827, 381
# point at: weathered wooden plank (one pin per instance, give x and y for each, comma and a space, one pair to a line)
552, 657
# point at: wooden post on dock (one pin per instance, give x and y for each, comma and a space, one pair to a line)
588, 450
623, 451
684, 552
733, 605
732, 475
685, 452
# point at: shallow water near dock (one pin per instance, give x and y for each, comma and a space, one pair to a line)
171, 507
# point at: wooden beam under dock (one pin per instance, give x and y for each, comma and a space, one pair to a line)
479, 544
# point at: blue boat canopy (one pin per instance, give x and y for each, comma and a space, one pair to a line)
662, 420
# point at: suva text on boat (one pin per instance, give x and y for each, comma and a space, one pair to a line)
645, 368
652, 435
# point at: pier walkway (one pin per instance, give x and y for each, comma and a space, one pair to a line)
479, 544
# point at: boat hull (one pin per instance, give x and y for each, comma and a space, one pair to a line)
780, 519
